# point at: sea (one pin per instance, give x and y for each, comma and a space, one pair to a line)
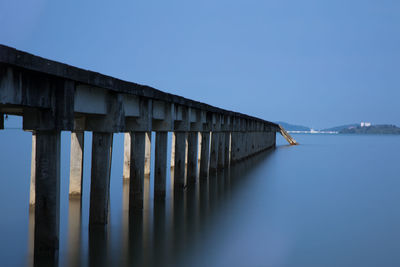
333, 201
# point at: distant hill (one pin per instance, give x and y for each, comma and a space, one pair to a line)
342, 127
292, 127
374, 129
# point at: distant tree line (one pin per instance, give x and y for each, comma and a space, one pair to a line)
374, 129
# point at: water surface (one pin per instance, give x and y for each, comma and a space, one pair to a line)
332, 201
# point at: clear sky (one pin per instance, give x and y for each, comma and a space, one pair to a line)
312, 62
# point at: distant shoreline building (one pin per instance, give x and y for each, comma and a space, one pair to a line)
365, 124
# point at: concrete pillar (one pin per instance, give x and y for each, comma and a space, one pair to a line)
160, 165
214, 152
205, 154
253, 143
245, 145
221, 150
233, 147
136, 185
76, 164
227, 149
147, 159
193, 144
249, 144
180, 159
173, 150
199, 147
127, 155
47, 204
236, 146
242, 145
100, 177
33, 173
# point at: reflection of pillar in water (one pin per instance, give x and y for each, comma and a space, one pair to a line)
31, 235
135, 235
125, 222
158, 252
204, 197
227, 179
98, 246
178, 223
74, 232
147, 219
191, 216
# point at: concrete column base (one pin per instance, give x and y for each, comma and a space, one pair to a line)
205, 155
136, 185
147, 159
180, 159
214, 152
173, 150
192, 162
100, 178
160, 165
227, 149
76, 164
221, 150
127, 156
47, 204
33, 173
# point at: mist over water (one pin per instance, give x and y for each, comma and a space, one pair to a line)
332, 201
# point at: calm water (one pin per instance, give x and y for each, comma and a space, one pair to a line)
332, 201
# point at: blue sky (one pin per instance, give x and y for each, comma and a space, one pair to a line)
313, 62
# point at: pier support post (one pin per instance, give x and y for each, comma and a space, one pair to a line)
221, 150
245, 145
192, 162
136, 185
47, 204
205, 155
127, 156
235, 147
76, 164
227, 149
160, 165
214, 152
100, 177
199, 138
173, 150
180, 159
33, 173
240, 145
147, 159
